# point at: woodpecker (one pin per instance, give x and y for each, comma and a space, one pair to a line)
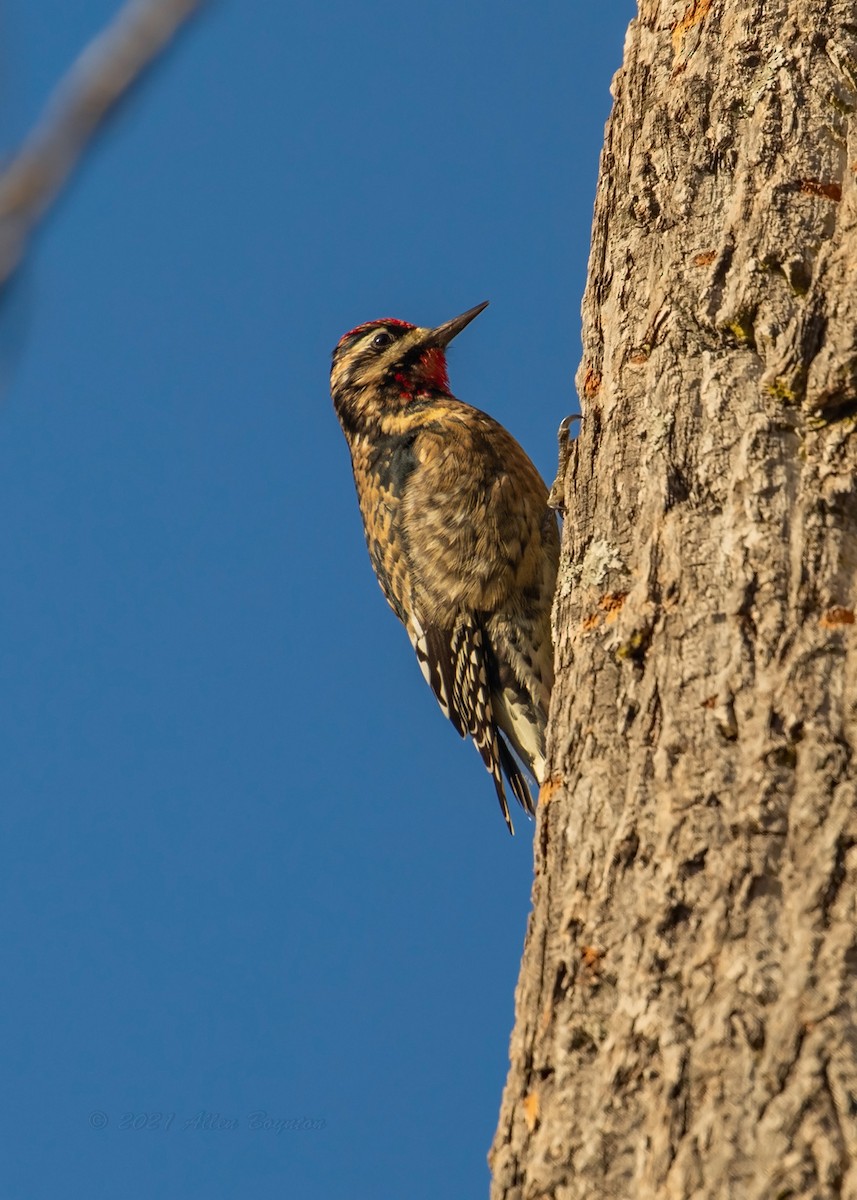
460, 537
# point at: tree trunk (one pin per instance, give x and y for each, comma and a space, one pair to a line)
685, 1013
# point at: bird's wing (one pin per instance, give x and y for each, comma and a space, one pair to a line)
454, 664
436, 656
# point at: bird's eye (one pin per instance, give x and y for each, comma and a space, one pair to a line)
382, 339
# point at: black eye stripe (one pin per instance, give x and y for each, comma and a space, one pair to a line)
389, 334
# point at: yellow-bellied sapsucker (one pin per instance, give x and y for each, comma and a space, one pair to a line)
460, 536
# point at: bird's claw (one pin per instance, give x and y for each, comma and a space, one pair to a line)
556, 498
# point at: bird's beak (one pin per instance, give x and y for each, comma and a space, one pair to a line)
443, 334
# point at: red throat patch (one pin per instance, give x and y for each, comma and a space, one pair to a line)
429, 375
433, 369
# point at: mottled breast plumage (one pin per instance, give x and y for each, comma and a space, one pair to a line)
460, 538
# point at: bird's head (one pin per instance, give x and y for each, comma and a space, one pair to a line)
390, 362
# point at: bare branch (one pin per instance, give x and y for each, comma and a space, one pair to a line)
98, 79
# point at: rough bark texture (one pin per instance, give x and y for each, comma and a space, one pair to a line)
685, 1013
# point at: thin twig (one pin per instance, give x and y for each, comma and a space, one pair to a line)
102, 74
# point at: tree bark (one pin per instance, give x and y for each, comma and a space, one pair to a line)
685, 1012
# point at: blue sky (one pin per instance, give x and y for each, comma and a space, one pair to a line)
247, 865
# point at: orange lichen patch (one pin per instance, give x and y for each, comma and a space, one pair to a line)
612, 604
695, 12
705, 259
814, 187
592, 957
591, 382
531, 1107
549, 789
709, 702
837, 616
